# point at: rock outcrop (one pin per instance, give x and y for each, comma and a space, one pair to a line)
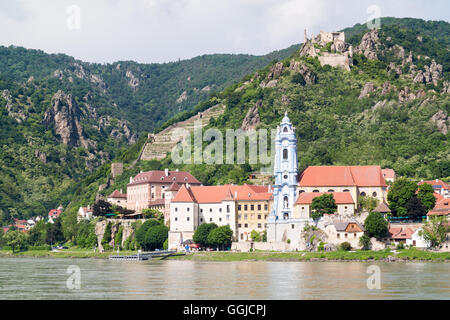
366, 90
369, 44
182, 97
430, 74
133, 83
441, 120
252, 120
406, 95
308, 75
64, 116
274, 74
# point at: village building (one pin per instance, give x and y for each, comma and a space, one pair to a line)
382, 208
439, 187
357, 180
399, 234
388, 174
84, 213
244, 208
118, 198
54, 213
344, 202
148, 189
441, 208
344, 231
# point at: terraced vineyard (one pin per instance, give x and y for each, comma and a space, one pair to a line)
161, 143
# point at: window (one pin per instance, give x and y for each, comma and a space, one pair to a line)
201, 210
242, 236
345, 190
153, 196
239, 207
362, 194
252, 207
210, 219
285, 177
220, 219
354, 235
259, 207
315, 190
292, 226
201, 219
239, 216
220, 209
245, 217
330, 190
285, 129
245, 207
259, 217
346, 236
259, 225
176, 219
176, 209
246, 225
239, 225
345, 207
374, 194
228, 217
338, 235
187, 219
188, 209
285, 154
265, 207
265, 225
210, 209
228, 208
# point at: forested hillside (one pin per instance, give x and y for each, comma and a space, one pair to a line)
62, 118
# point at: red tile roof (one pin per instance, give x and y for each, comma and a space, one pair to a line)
400, 233
339, 197
328, 176
437, 184
388, 173
159, 176
54, 213
441, 208
117, 194
217, 194
174, 187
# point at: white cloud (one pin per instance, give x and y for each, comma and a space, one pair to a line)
165, 30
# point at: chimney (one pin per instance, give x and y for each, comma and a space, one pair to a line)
131, 179
166, 172
187, 185
120, 191
177, 170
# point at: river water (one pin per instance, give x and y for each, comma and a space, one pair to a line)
46, 278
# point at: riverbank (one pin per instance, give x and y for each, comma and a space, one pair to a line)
385, 255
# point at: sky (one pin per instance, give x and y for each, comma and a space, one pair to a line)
148, 31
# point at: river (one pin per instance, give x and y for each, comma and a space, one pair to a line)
47, 278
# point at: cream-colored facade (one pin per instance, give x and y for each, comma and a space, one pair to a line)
252, 215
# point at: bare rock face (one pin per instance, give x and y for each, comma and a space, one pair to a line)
431, 74
122, 130
133, 83
366, 90
14, 110
64, 115
369, 44
446, 88
41, 155
252, 120
406, 95
182, 97
99, 231
206, 89
301, 68
386, 88
285, 100
441, 120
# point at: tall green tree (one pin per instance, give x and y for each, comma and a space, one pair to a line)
435, 231
142, 231
101, 208
155, 237
426, 196
54, 232
415, 209
399, 194
323, 204
17, 240
376, 225
201, 234
221, 237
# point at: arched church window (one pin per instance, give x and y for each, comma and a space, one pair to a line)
346, 190
300, 192
285, 202
285, 154
316, 190
285, 129
362, 194
374, 194
331, 190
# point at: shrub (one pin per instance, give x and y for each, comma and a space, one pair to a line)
345, 246
400, 246
364, 242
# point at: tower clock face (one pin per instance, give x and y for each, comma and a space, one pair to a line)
284, 143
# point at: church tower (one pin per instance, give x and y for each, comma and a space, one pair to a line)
285, 171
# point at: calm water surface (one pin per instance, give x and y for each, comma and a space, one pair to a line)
43, 278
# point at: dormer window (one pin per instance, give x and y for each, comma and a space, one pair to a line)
185, 178
173, 178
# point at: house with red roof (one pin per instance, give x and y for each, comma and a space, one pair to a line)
244, 208
441, 208
344, 202
54, 213
148, 189
388, 174
399, 234
85, 213
356, 180
439, 187
118, 198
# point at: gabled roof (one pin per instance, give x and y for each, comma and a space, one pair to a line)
184, 195
345, 176
437, 184
400, 233
441, 208
342, 226
54, 213
159, 176
388, 173
174, 187
382, 208
117, 194
339, 197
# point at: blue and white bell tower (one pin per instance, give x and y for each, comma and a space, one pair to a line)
284, 189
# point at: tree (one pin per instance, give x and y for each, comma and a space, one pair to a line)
17, 240
37, 234
220, 237
364, 242
201, 234
345, 246
107, 235
375, 225
264, 236
399, 194
323, 204
155, 237
426, 196
153, 214
435, 231
368, 203
415, 209
142, 231
54, 232
255, 235
2, 239
101, 208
